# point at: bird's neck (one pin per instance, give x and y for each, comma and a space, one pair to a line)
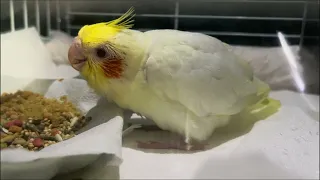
135, 45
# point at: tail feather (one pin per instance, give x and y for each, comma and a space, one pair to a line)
263, 108
260, 111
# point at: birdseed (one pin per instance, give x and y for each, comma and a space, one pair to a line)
32, 121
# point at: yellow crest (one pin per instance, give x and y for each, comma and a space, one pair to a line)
106, 30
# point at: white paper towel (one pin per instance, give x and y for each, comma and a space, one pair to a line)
58, 46
284, 146
24, 55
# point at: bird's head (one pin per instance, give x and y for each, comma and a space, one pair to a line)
102, 49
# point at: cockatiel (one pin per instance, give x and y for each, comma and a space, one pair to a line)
187, 83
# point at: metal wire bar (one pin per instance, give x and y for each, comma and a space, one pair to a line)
73, 27
48, 17
82, 13
25, 14
303, 24
247, 34
37, 13
67, 17
11, 7
58, 16
176, 15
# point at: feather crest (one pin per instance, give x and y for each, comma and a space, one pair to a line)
95, 33
123, 22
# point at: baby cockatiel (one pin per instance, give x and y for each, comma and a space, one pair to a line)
187, 83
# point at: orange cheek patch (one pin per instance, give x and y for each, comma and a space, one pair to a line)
112, 68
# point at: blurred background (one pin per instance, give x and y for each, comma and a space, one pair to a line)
237, 22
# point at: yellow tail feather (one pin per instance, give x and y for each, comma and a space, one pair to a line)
264, 107
261, 110
244, 121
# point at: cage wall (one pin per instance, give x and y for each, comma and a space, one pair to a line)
245, 22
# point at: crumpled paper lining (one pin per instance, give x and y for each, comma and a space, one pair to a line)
93, 143
34, 66
286, 145
32, 60
58, 46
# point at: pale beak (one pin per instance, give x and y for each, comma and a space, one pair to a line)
75, 54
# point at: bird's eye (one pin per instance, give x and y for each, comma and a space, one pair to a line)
101, 53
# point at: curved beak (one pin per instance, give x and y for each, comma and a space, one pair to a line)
75, 54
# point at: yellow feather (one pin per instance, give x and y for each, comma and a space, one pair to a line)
263, 109
95, 33
94, 75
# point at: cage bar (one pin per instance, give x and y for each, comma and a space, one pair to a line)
82, 13
11, 7
48, 17
25, 14
176, 15
37, 14
303, 24
58, 16
67, 17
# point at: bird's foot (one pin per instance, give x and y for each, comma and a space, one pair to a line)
179, 145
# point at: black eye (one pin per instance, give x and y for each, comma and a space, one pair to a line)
101, 53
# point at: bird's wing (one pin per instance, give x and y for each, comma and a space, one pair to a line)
199, 72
